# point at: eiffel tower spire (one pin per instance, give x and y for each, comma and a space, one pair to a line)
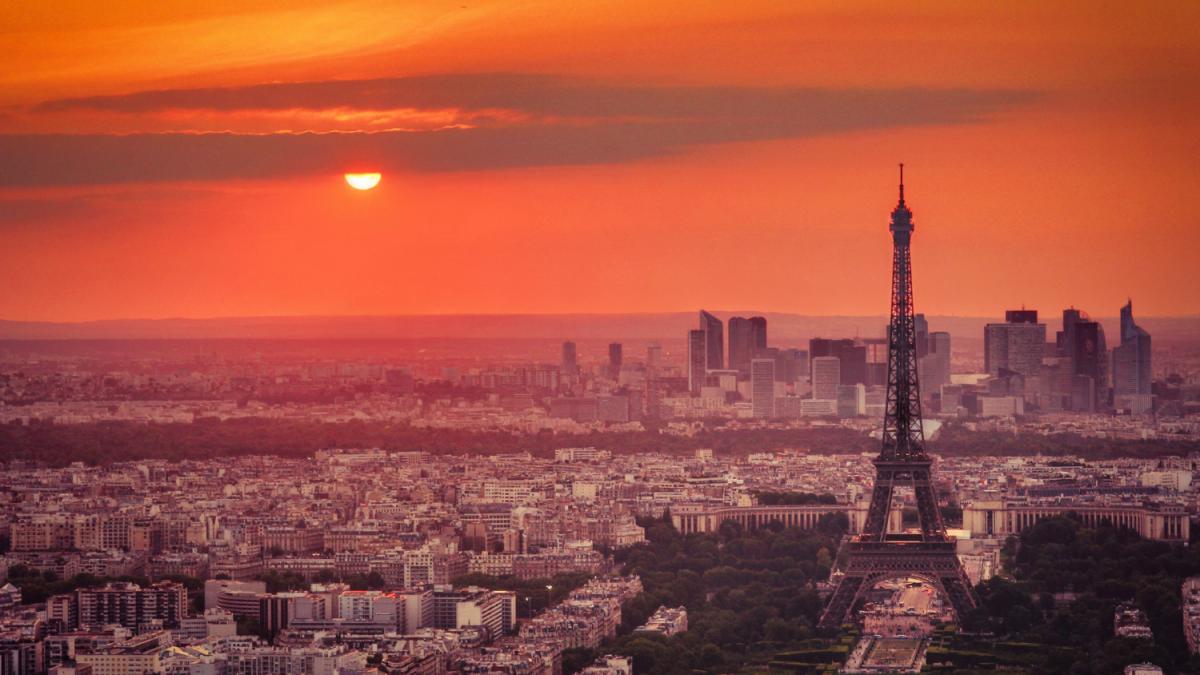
902, 455
875, 554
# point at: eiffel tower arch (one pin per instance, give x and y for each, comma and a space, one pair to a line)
875, 554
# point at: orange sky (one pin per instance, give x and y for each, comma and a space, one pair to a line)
171, 160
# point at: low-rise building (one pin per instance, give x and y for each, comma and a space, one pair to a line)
1190, 606
1131, 622
666, 621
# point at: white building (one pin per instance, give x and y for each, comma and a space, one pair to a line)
1176, 480
762, 387
1001, 406
826, 376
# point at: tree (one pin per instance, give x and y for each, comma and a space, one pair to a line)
650, 655
575, 659
834, 524
745, 591
730, 529
793, 498
248, 626
952, 514
1100, 567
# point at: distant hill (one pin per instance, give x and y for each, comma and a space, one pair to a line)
667, 325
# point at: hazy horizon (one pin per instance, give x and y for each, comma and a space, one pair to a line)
633, 325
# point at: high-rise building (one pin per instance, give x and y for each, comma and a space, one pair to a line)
697, 372
921, 330
851, 400
791, 365
653, 359
1081, 395
714, 341
1081, 345
739, 339
935, 365
877, 355
1058, 373
1090, 358
653, 399
826, 376
747, 337
762, 387
706, 351
570, 361
853, 357
615, 357
1016, 346
1131, 359
1066, 337
1021, 316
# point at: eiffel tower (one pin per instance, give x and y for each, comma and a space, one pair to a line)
875, 554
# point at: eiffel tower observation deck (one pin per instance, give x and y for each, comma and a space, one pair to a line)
875, 554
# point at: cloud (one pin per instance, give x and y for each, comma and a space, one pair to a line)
58, 205
35, 209
572, 122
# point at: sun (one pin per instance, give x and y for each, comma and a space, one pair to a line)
363, 181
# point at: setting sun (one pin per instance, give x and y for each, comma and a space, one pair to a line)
363, 181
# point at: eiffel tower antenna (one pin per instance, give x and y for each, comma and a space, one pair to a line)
875, 554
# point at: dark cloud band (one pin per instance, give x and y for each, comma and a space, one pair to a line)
623, 124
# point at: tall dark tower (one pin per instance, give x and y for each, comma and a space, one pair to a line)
615, 359
875, 554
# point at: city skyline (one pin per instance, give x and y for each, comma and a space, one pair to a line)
355, 337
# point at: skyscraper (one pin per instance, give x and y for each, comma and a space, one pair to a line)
653, 358
921, 330
762, 387
697, 372
826, 376
1066, 336
937, 361
851, 400
1021, 316
570, 362
714, 341
615, 357
1089, 356
853, 357
791, 365
746, 338
877, 355
1016, 345
1131, 359
1082, 346
653, 393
